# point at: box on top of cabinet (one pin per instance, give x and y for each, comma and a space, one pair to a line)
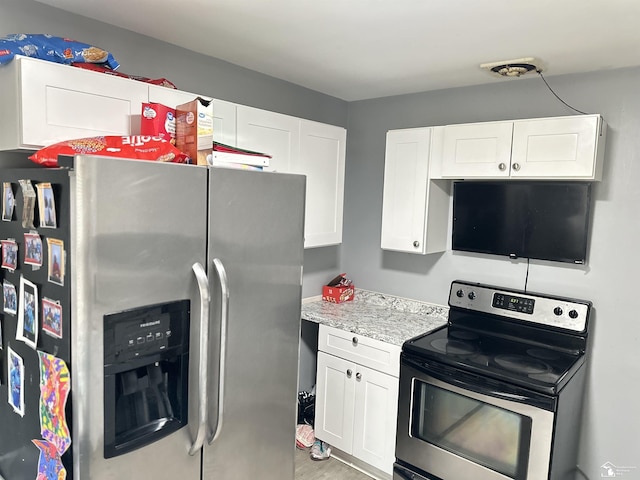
194, 129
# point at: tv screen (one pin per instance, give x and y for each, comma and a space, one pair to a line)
535, 219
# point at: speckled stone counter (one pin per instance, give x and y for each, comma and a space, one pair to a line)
377, 315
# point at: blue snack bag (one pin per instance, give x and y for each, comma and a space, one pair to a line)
54, 49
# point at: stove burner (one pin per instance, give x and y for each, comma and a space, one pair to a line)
542, 354
454, 347
463, 335
522, 364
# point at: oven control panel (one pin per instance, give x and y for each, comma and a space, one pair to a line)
513, 303
570, 314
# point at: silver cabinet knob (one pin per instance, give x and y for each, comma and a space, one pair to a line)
349, 373
358, 376
502, 167
354, 341
516, 166
416, 243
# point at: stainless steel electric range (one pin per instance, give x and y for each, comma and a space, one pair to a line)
497, 392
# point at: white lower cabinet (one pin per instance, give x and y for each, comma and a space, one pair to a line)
356, 406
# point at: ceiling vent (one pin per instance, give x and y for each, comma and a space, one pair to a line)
513, 68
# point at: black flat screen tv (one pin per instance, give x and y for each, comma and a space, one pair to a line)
522, 219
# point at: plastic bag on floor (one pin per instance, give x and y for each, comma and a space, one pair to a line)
320, 450
304, 436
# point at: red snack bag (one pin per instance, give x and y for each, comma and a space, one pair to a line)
137, 147
163, 82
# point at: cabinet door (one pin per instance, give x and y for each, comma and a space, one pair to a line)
224, 122
59, 102
334, 401
322, 160
271, 133
374, 425
404, 203
559, 148
477, 150
224, 113
170, 96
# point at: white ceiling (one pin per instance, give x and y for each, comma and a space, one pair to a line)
361, 49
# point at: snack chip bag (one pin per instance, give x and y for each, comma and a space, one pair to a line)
163, 82
136, 147
54, 49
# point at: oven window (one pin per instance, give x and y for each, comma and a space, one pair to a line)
483, 433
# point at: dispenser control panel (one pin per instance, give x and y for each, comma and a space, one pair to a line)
144, 331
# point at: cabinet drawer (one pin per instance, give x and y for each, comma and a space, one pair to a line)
366, 351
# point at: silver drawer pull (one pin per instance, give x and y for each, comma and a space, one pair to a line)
502, 167
358, 376
354, 341
349, 373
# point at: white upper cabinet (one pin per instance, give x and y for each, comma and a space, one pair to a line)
51, 103
224, 122
560, 148
415, 209
224, 113
564, 147
313, 149
322, 160
476, 150
170, 96
268, 132
46, 102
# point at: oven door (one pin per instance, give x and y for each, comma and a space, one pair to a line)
453, 424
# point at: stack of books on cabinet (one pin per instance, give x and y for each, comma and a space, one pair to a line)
233, 157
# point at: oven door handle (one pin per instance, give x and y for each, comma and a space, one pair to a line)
481, 384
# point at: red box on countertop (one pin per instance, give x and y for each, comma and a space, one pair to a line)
338, 294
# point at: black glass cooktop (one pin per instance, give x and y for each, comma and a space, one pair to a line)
511, 360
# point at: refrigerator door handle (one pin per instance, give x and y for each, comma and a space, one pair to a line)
205, 298
224, 322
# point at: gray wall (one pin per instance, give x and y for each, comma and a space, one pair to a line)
611, 423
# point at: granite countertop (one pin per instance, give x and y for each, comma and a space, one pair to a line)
376, 315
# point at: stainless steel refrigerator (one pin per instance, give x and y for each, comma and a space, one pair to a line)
180, 309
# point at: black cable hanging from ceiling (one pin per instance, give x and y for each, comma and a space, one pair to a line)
539, 72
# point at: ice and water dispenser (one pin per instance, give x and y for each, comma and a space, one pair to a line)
146, 362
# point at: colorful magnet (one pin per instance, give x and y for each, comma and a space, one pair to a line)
27, 330
33, 249
46, 205
10, 298
29, 203
54, 390
15, 373
56, 260
52, 317
8, 202
49, 464
9, 254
